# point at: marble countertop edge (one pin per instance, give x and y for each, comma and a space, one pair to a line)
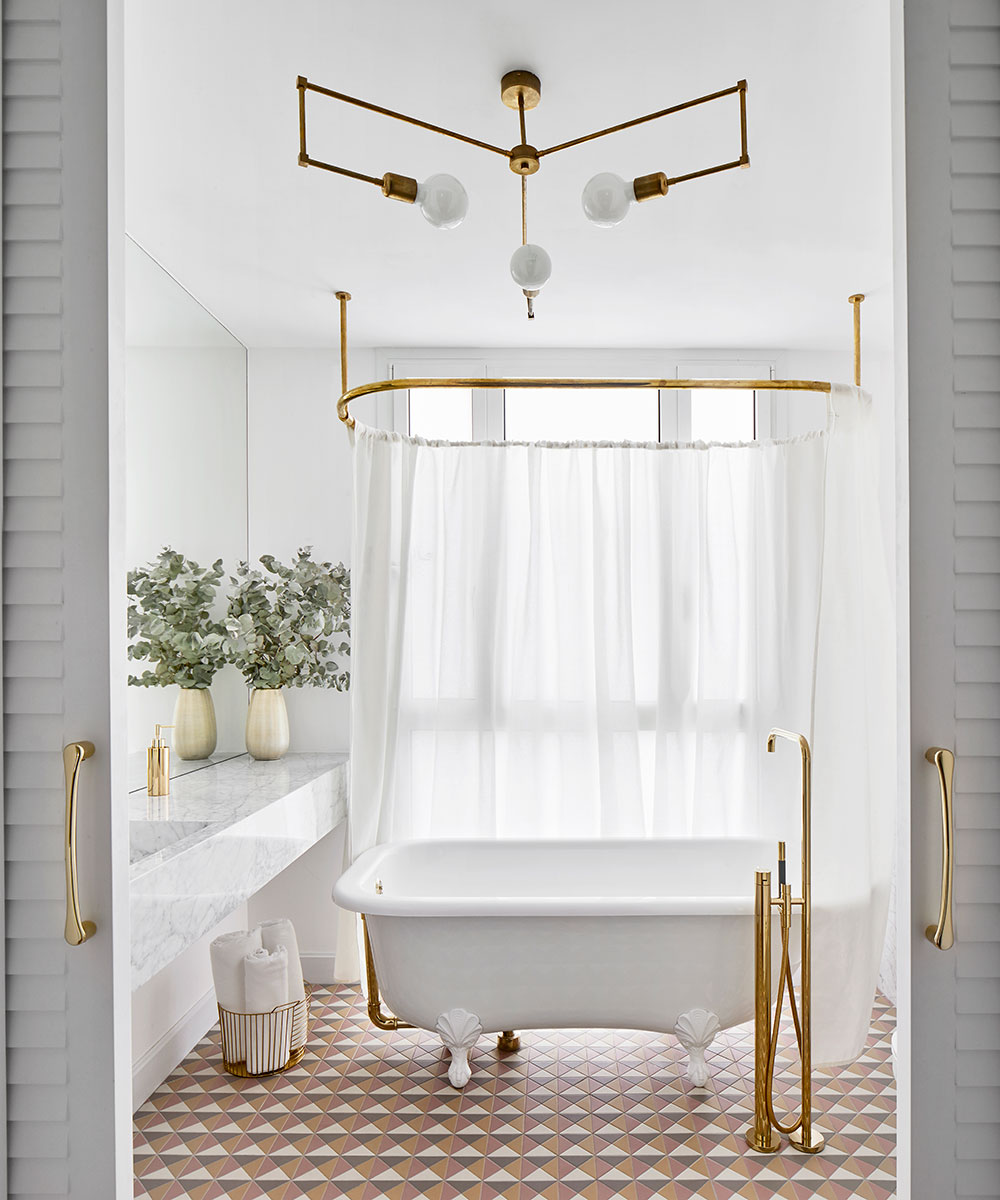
181, 892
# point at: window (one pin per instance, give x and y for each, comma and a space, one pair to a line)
723, 415
582, 414
441, 413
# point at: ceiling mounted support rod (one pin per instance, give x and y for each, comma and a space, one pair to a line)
343, 297
856, 301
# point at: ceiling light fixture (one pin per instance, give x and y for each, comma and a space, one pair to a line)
606, 198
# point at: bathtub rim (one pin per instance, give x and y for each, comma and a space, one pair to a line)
355, 890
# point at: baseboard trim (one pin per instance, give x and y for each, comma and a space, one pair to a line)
153, 1067
319, 968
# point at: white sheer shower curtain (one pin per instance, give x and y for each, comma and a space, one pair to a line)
594, 639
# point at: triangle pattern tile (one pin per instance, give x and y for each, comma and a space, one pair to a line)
575, 1113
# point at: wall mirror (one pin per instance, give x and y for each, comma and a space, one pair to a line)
186, 484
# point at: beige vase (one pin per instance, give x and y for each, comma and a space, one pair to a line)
195, 734
267, 723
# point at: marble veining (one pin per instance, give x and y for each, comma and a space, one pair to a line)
224, 833
150, 836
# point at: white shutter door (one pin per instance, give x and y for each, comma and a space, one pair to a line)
68, 1132
953, 264
975, 239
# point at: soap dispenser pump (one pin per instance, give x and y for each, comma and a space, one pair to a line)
158, 765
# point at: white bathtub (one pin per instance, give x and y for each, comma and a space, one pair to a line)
483, 936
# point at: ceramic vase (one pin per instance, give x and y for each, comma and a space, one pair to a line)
267, 723
195, 734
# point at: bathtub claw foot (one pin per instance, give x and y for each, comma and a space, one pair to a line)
696, 1030
459, 1029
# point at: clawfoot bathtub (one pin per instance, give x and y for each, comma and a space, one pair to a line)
473, 937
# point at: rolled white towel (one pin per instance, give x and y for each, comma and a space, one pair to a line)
269, 1037
266, 975
281, 932
227, 954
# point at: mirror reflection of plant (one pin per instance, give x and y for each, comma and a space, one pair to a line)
170, 621
286, 624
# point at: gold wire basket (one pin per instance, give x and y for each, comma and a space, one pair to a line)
264, 1043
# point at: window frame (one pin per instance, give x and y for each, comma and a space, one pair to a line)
771, 420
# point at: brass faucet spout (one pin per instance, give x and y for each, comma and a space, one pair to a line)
798, 738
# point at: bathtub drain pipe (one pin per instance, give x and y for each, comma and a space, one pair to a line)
379, 1018
763, 1134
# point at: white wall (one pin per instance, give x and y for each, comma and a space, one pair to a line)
302, 893
173, 1011
298, 463
300, 492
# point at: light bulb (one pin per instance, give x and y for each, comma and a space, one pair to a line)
443, 201
607, 199
530, 267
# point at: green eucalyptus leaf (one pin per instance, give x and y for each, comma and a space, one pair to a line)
170, 621
280, 621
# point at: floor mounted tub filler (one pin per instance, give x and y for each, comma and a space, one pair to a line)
473, 937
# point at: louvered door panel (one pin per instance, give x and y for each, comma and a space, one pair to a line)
64, 1123
975, 237
36, 959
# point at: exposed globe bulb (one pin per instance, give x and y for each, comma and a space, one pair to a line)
607, 199
443, 201
530, 267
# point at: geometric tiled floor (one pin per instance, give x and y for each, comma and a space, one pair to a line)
592, 1113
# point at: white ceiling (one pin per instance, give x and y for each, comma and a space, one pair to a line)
759, 258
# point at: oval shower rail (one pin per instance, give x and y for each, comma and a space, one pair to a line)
398, 385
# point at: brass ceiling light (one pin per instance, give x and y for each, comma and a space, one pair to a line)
443, 201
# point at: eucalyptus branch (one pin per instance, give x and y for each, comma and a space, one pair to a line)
170, 622
288, 625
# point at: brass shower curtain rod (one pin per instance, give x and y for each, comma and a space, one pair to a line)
395, 385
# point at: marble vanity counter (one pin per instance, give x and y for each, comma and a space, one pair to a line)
222, 833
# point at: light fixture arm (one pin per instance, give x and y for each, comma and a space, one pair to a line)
740, 87
304, 86
444, 203
520, 90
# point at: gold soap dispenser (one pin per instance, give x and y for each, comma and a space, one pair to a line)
158, 765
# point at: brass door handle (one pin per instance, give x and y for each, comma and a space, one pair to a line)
943, 933
77, 930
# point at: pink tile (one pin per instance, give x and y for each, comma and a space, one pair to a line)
574, 1113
